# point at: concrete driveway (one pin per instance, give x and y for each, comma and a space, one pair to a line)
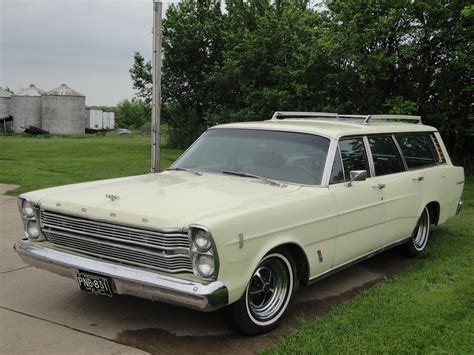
45, 313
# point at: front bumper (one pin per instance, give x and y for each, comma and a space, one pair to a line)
127, 280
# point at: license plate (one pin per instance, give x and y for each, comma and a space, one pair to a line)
96, 285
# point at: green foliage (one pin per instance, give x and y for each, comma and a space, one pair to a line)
133, 114
140, 72
398, 105
259, 56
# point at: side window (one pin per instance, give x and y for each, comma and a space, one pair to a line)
353, 156
337, 172
418, 149
385, 154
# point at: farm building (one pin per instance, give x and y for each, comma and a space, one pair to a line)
63, 111
5, 110
26, 108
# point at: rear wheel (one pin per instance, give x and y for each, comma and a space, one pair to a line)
417, 243
267, 294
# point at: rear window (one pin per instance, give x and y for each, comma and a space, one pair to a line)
418, 150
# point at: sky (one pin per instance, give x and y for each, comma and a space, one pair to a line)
86, 44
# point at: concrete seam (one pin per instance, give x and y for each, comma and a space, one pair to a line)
65, 326
20, 268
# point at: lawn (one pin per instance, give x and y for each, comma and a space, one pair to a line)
427, 308
38, 162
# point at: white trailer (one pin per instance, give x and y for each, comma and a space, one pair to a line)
94, 119
108, 120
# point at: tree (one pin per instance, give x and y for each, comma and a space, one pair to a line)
259, 56
133, 114
141, 75
192, 44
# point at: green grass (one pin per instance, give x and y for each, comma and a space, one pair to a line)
39, 162
427, 309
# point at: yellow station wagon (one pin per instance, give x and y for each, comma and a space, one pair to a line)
249, 212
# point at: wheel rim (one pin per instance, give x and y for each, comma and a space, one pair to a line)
269, 289
420, 234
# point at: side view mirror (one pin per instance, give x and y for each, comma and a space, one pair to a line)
357, 175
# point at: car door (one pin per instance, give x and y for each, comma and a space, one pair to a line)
400, 193
360, 206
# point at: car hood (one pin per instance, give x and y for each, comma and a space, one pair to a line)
169, 199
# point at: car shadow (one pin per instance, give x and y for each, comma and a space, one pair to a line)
213, 332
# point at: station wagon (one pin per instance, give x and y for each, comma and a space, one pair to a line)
249, 212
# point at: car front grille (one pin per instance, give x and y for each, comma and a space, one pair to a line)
145, 248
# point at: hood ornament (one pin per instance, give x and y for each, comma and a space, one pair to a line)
112, 197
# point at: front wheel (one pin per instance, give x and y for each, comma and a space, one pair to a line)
417, 243
267, 294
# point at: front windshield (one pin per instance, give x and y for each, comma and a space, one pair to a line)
284, 156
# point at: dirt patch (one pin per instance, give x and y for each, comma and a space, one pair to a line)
163, 342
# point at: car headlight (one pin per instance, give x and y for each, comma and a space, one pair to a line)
203, 252
205, 265
32, 229
201, 239
27, 209
30, 219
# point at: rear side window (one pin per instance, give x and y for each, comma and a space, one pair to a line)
385, 154
353, 156
418, 149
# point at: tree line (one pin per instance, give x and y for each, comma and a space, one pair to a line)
242, 60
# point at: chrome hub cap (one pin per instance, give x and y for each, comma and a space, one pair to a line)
420, 234
269, 289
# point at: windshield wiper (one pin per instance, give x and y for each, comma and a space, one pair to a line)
243, 174
184, 169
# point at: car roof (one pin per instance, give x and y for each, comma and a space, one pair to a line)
331, 128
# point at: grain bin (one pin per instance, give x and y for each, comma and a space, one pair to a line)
64, 111
26, 108
5, 109
5, 103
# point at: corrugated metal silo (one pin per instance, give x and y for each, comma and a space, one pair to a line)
64, 111
5, 109
26, 108
5, 103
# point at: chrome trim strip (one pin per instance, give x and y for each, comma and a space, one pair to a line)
128, 280
355, 261
400, 152
370, 159
49, 228
333, 145
120, 246
134, 227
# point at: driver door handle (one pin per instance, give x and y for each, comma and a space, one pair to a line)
379, 186
419, 178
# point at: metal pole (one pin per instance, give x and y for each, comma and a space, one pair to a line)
156, 74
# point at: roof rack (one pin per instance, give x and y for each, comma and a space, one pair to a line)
330, 115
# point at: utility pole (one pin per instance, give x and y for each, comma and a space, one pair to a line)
156, 74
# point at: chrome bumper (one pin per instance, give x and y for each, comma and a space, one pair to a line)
127, 280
